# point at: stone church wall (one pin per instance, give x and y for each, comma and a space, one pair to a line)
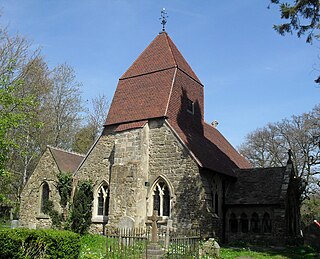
170, 160
30, 215
119, 159
131, 161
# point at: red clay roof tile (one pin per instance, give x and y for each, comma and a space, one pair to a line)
66, 161
159, 84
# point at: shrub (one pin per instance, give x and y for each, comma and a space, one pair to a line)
81, 208
26, 243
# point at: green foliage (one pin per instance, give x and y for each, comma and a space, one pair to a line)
93, 246
84, 139
64, 188
265, 252
310, 210
56, 217
13, 111
81, 208
25, 243
302, 17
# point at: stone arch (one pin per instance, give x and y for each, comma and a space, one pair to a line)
266, 223
101, 202
44, 195
244, 223
233, 223
255, 223
160, 197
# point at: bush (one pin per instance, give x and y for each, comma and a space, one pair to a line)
26, 243
81, 208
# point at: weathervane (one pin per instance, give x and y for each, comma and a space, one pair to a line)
163, 18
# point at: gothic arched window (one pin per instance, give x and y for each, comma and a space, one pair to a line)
161, 198
103, 200
266, 223
244, 223
255, 223
44, 196
233, 223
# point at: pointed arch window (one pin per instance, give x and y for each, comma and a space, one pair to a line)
233, 223
44, 196
161, 199
266, 223
244, 223
103, 200
255, 223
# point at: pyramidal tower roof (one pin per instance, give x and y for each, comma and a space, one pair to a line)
167, 56
161, 84
143, 91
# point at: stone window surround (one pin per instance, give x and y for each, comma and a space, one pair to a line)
215, 198
150, 197
40, 214
95, 217
250, 230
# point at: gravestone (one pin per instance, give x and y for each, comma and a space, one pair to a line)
14, 223
126, 223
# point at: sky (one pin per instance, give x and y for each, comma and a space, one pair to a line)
251, 74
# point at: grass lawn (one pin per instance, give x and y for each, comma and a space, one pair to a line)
94, 247
264, 252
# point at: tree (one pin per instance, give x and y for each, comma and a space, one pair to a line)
98, 114
302, 17
15, 112
84, 139
268, 146
87, 135
63, 107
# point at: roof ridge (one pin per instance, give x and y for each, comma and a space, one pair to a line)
190, 76
172, 84
148, 73
174, 58
66, 151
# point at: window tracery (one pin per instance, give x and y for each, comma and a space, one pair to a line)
161, 198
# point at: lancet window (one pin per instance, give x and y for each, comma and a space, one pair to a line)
233, 223
103, 200
44, 196
255, 223
161, 199
244, 223
266, 223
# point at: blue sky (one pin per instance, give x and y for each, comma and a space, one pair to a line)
251, 74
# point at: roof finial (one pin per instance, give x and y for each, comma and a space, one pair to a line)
163, 18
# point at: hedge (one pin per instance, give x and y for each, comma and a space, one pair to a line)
27, 243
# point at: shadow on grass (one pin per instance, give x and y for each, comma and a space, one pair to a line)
269, 252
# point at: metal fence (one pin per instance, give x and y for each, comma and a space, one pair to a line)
126, 243
133, 243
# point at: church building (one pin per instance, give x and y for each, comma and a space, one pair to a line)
156, 152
